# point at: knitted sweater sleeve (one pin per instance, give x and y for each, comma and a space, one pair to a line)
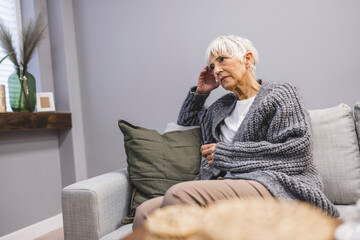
285, 145
192, 109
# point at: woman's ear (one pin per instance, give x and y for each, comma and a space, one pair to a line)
248, 59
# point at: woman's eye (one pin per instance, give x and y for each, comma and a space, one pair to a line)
221, 59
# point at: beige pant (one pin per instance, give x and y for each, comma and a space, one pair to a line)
200, 193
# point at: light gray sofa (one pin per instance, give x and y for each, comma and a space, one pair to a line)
93, 208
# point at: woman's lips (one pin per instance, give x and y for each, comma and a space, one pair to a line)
223, 78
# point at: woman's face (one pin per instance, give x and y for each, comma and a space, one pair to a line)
228, 71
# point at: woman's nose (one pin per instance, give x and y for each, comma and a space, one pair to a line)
217, 70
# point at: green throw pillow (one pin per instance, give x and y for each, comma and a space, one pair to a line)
156, 162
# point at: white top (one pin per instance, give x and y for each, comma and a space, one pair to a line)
232, 122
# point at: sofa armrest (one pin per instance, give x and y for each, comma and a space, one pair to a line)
94, 207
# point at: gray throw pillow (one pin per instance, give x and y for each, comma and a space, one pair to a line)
156, 162
336, 153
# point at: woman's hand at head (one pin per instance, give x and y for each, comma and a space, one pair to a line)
206, 81
207, 151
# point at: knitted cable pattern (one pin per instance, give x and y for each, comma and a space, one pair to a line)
273, 145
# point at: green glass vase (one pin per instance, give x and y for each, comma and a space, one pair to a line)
22, 90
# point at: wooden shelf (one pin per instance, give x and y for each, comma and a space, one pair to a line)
34, 121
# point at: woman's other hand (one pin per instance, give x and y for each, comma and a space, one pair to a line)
207, 151
206, 82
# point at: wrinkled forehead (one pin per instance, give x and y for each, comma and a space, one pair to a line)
220, 47
215, 54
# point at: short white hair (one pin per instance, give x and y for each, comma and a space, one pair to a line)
234, 46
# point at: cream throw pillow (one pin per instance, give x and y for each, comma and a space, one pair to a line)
336, 153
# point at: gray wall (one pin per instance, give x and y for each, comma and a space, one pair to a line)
136, 61
30, 172
30, 179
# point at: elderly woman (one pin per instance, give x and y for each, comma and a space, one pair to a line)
256, 140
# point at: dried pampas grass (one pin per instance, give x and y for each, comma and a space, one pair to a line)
32, 34
6, 42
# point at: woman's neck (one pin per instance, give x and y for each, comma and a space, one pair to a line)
248, 88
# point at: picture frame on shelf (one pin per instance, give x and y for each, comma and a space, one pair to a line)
2, 98
45, 102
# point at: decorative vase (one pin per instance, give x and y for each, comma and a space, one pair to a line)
22, 90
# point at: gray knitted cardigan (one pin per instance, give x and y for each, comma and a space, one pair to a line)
272, 145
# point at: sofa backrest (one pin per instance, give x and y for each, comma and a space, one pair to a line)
336, 151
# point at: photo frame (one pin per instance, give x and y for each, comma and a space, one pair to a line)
45, 102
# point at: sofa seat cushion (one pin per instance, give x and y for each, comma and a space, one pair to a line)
346, 210
336, 153
120, 233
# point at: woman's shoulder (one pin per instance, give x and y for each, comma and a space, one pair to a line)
279, 86
280, 89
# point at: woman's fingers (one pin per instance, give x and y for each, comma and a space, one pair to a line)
207, 151
205, 69
206, 81
210, 157
208, 146
206, 74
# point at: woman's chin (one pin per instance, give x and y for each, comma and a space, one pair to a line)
226, 86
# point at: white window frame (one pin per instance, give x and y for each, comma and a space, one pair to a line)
8, 64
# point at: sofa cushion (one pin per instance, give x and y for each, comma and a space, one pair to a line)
119, 233
336, 153
156, 162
